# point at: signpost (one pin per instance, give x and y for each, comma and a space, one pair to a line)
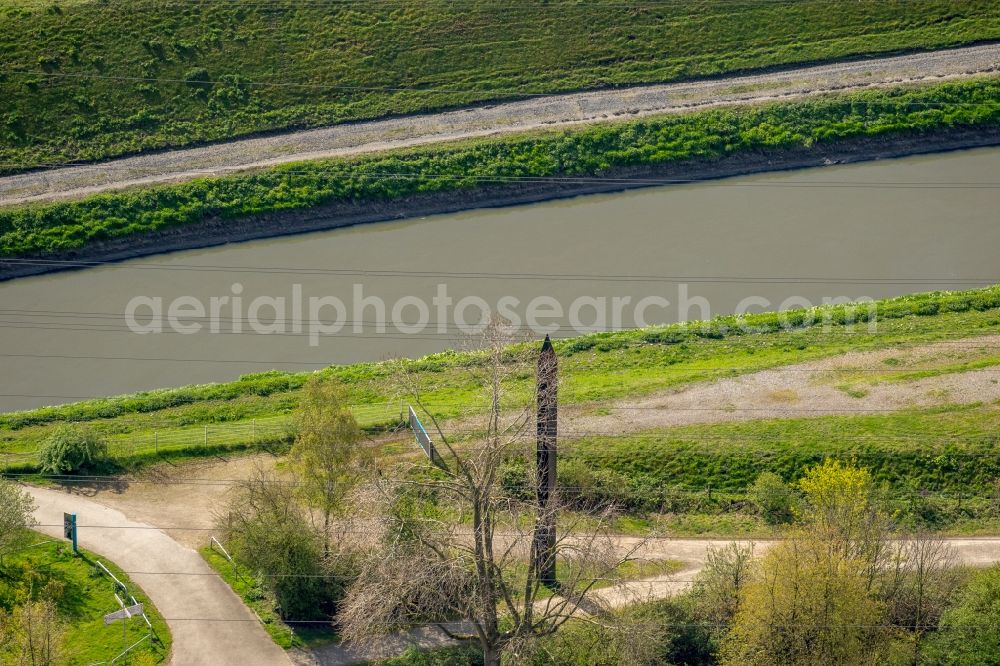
125, 613
69, 529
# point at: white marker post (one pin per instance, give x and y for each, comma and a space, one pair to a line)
123, 615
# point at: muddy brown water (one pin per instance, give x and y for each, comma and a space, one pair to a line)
867, 230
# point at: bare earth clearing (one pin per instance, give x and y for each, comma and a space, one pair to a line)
538, 112
817, 388
186, 495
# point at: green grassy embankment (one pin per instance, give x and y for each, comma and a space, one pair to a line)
938, 467
947, 449
940, 464
83, 595
91, 80
511, 162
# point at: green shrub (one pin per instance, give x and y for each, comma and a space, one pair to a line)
270, 533
71, 449
16, 508
773, 498
661, 632
969, 632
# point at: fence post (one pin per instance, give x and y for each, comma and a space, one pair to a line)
156, 442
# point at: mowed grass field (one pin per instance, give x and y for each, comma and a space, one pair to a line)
84, 80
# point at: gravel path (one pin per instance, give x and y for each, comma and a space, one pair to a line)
209, 623
538, 112
973, 552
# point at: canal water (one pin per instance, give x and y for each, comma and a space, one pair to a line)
417, 286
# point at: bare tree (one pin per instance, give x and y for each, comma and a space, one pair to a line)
34, 632
920, 586
458, 549
717, 589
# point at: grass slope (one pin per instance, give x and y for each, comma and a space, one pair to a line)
94, 79
953, 448
87, 595
252, 412
705, 136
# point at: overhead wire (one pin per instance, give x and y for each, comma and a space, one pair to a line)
505, 275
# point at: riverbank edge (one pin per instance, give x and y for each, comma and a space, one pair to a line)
218, 231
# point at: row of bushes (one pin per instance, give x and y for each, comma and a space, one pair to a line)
708, 135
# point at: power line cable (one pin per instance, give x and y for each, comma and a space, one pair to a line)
725, 372
664, 492
502, 534
796, 279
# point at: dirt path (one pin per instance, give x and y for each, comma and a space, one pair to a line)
209, 623
539, 112
972, 552
188, 494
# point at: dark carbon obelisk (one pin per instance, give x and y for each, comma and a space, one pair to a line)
547, 398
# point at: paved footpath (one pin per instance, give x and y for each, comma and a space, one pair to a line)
548, 111
209, 623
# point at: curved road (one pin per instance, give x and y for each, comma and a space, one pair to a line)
538, 112
209, 623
